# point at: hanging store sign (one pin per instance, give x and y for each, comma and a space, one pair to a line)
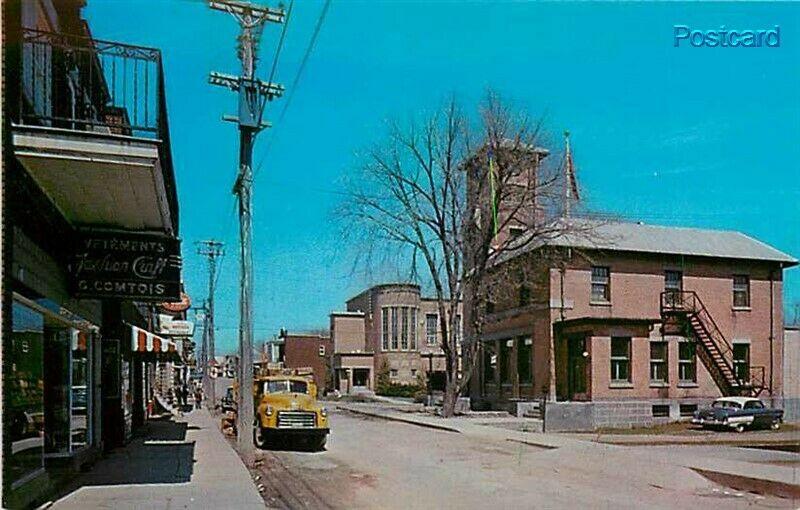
125, 265
174, 327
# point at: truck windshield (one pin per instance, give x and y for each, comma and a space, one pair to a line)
286, 386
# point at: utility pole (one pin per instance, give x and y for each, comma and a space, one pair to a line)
253, 96
202, 354
212, 250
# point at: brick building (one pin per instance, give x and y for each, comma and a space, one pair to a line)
662, 319
391, 327
308, 350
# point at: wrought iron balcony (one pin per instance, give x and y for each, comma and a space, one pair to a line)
87, 90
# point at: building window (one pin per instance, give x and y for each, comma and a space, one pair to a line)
413, 331
741, 291
393, 373
620, 359
458, 329
505, 356
431, 325
515, 232
489, 362
385, 335
687, 409
404, 328
673, 285
394, 329
601, 284
741, 361
413, 372
687, 362
658, 362
490, 306
322, 350
525, 360
661, 411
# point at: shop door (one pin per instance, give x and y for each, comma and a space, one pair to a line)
577, 368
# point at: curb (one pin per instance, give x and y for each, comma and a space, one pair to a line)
749, 484
399, 419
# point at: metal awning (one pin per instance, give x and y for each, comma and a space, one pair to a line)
145, 341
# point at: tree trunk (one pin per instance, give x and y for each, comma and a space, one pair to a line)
451, 392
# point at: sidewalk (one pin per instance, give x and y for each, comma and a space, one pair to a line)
179, 463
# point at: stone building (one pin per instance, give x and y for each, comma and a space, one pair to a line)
387, 327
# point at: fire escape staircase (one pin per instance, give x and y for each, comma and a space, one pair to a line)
685, 314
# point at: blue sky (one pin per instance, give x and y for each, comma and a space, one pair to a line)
703, 137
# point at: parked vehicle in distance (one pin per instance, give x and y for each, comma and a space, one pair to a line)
228, 402
738, 413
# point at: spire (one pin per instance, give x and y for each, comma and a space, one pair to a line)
570, 181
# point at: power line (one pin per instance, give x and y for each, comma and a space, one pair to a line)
296, 81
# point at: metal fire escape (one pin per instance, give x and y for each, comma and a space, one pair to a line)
684, 313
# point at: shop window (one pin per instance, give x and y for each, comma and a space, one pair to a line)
658, 362
525, 360
621, 359
601, 284
741, 291
23, 416
687, 362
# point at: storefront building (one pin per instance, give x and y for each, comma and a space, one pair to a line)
90, 226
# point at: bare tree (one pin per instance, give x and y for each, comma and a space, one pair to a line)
450, 200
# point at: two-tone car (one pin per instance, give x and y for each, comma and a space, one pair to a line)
738, 413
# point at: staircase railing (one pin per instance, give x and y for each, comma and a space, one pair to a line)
689, 303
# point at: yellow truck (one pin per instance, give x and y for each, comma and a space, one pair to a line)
286, 408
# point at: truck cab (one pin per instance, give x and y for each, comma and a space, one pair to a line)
287, 408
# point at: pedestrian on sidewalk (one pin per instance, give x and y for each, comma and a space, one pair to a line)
198, 397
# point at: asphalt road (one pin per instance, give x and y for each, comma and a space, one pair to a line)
372, 463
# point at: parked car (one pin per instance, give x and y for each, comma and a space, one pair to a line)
228, 402
738, 413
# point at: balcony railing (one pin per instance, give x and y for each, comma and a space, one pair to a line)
83, 84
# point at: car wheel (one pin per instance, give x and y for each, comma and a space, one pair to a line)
739, 428
775, 425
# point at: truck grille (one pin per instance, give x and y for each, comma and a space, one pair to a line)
296, 420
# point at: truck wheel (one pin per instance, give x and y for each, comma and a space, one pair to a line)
258, 437
775, 425
319, 443
739, 428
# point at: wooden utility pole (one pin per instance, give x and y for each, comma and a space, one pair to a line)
212, 250
253, 96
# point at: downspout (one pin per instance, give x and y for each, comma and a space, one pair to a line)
772, 327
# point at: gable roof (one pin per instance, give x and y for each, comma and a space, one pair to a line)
638, 237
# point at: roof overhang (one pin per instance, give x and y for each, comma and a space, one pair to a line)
98, 179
